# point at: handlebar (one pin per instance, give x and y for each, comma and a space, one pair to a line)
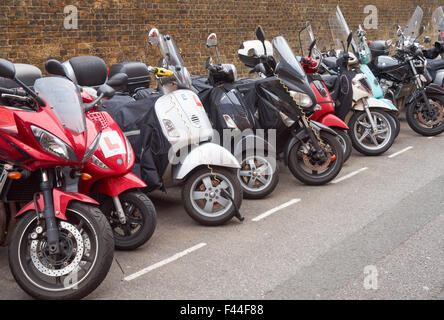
14, 92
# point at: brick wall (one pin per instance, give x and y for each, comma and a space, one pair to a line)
116, 30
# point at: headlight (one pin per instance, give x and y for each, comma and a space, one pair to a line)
99, 163
229, 121
171, 129
301, 99
92, 148
129, 150
53, 145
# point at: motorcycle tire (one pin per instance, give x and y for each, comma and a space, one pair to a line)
346, 142
254, 185
141, 220
202, 194
314, 179
396, 123
414, 123
86, 230
358, 145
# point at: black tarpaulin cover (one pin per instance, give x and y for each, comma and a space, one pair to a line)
138, 120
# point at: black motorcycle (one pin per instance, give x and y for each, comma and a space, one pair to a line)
406, 80
230, 115
284, 101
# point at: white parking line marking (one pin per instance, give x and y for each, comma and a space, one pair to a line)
164, 262
276, 209
348, 176
400, 152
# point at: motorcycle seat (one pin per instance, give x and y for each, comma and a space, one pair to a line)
330, 82
435, 64
331, 62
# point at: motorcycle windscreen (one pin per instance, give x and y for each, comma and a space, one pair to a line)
339, 31
438, 23
289, 70
174, 62
306, 38
65, 101
412, 30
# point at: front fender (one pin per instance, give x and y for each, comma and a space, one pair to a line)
252, 141
113, 186
321, 127
330, 120
375, 103
205, 154
61, 202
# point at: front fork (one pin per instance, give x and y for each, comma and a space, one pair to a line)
52, 230
420, 86
320, 153
369, 115
119, 209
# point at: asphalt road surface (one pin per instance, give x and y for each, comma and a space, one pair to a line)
376, 234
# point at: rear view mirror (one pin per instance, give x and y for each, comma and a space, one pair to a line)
212, 40
260, 34
208, 63
399, 31
118, 80
106, 91
153, 37
312, 45
55, 67
7, 69
421, 31
349, 39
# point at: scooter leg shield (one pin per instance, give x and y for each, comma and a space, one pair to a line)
61, 201
205, 154
330, 120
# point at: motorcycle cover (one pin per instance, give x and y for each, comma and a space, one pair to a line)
138, 120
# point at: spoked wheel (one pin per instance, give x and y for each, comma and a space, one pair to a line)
257, 176
424, 122
141, 219
306, 166
85, 255
346, 143
207, 195
365, 139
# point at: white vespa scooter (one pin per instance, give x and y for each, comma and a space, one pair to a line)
211, 191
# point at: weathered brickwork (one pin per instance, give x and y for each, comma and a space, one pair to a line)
116, 30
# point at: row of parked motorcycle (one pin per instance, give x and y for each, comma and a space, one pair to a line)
82, 149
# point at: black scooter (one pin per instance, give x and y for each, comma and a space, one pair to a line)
231, 117
284, 102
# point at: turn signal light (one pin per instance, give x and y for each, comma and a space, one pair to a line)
15, 175
85, 177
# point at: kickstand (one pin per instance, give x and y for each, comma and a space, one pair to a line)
237, 212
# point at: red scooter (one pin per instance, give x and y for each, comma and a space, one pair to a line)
130, 212
61, 246
326, 113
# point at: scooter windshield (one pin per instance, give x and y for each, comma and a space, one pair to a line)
438, 21
412, 30
339, 31
289, 69
306, 38
65, 101
173, 61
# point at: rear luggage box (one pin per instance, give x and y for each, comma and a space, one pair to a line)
138, 75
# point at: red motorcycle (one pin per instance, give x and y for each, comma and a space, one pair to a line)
130, 212
326, 113
60, 244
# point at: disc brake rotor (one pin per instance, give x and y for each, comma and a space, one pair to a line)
440, 115
46, 265
317, 167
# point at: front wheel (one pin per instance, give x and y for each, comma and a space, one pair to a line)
345, 141
141, 219
258, 175
368, 141
396, 123
306, 166
207, 195
423, 122
85, 255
